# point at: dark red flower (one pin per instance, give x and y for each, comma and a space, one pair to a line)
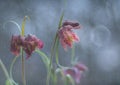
74, 24
31, 42
66, 35
16, 43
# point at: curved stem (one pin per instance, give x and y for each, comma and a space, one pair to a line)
11, 66
44, 58
53, 48
57, 53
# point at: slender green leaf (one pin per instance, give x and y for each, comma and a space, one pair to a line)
61, 19
57, 40
52, 50
44, 58
18, 26
53, 76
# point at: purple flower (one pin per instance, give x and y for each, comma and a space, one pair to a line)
81, 67
75, 72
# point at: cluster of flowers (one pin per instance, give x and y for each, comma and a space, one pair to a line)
28, 44
66, 36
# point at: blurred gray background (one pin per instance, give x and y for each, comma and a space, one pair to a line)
99, 46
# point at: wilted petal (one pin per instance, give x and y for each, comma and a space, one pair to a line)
81, 67
74, 24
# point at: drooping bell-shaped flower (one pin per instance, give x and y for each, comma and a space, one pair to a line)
31, 42
16, 43
66, 35
75, 72
81, 67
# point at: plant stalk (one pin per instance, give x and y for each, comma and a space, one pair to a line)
23, 67
4, 69
51, 58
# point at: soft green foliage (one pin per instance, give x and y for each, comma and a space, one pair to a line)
44, 57
52, 72
70, 79
8, 82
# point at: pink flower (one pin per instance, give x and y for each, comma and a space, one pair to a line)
31, 42
16, 43
81, 67
75, 72
66, 35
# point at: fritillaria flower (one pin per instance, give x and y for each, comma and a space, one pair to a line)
16, 43
29, 44
66, 35
75, 72
81, 67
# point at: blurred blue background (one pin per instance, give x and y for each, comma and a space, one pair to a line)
99, 46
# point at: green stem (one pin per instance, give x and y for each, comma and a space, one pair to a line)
44, 58
51, 58
53, 48
57, 43
4, 69
23, 67
11, 68
73, 54
57, 53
